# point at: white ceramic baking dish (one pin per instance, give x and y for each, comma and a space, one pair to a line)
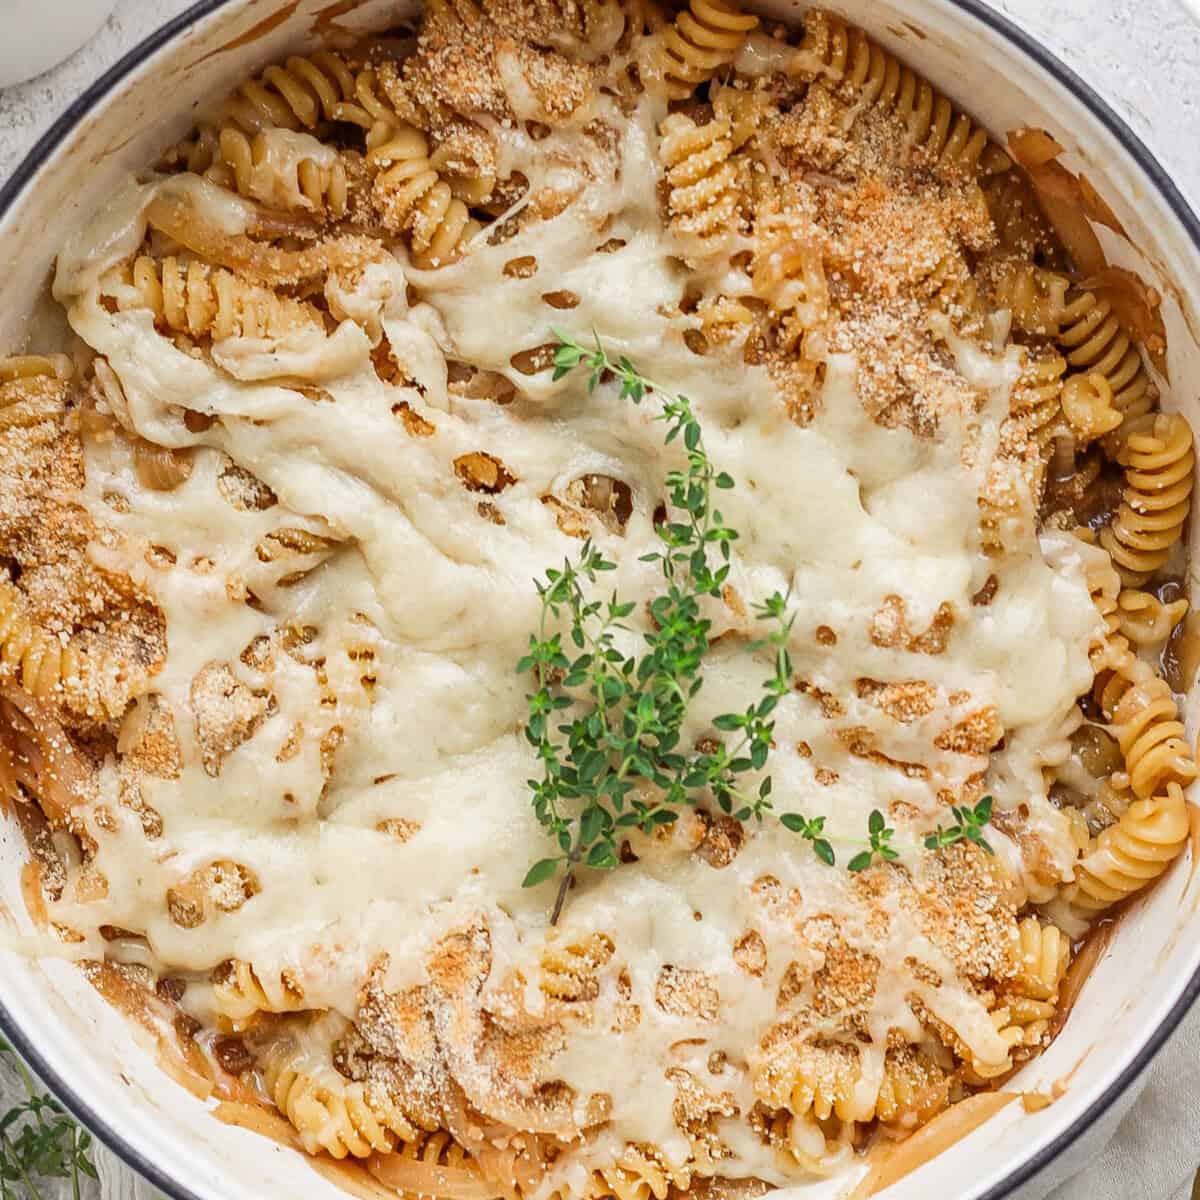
1151, 973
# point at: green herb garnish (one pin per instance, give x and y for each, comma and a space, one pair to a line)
880, 835
39, 1141
969, 827
628, 709
606, 723
810, 831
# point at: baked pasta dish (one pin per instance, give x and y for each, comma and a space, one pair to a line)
593, 604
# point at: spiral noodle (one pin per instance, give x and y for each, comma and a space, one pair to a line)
825, 1081
332, 1114
160, 468
789, 275
705, 37
1133, 853
239, 995
703, 197
1159, 460
1018, 471
46, 666
1037, 398
570, 973
436, 1152
413, 198
596, 26
1087, 403
374, 113
725, 320
743, 109
1145, 619
1031, 998
1044, 953
952, 289
882, 82
243, 163
55, 668
369, 110
196, 153
1151, 737
196, 299
296, 95
1158, 761
639, 1174
914, 1087
1036, 298
1094, 341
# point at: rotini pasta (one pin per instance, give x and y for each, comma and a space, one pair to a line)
1031, 998
1093, 340
725, 320
1134, 852
297, 94
1087, 404
413, 198
58, 669
570, 973
35, 658
1036, 298
329, 1112
318, 186
160, 468
952, 289
703, 39
1145, 619
788, 274
703, 195
1158, 761
239, 995
1159, 463
198, 300
1017, 475
827, 1082
881, 81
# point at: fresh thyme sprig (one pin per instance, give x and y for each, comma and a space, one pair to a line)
39, 1141
811, 830
616, 762
968, 827
606, 724
880, 835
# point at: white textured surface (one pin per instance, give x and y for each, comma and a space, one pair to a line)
1143, 56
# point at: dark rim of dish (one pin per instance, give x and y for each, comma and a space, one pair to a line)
60, 131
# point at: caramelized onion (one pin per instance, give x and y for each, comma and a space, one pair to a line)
259, 262
413, 1177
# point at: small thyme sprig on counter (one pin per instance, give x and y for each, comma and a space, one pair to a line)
614, 761
39, 1141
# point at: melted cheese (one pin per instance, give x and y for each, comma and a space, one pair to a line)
843, 514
